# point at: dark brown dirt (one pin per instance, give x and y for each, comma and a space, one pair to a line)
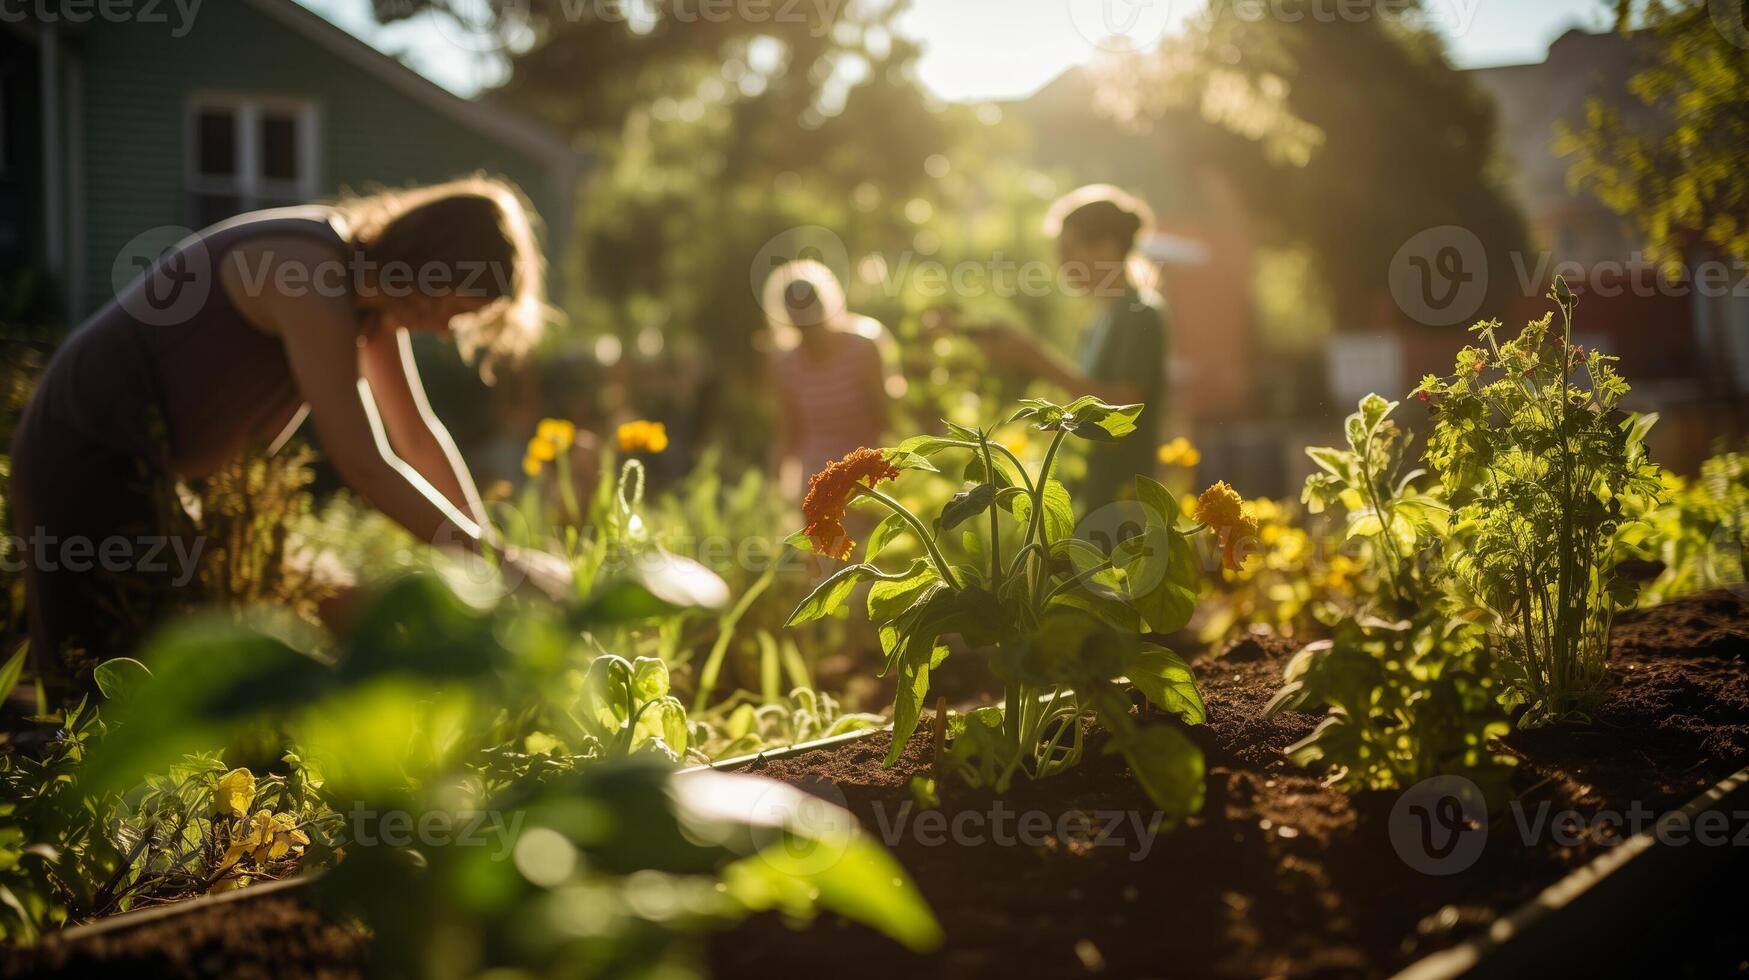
1279, 876
246, 939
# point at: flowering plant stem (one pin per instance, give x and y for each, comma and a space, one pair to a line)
1066, 618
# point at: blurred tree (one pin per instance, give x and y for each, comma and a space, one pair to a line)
1346, 131
1683, 179
717, 128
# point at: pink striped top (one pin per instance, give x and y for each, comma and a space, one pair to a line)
834, 398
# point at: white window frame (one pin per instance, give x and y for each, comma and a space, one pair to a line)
248, 185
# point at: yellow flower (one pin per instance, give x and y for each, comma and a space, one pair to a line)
1219, 506
234, 793
551, 437
1179, 452
270, 837
643, 436
560, 432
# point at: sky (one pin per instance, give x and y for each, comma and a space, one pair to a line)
1002, 49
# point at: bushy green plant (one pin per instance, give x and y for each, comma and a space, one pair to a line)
1698, 533
625, 707
1408, 700
1544, 471
1065, 615
1379, 500
1411, 694
428, 706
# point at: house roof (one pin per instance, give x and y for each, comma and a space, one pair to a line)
492, 120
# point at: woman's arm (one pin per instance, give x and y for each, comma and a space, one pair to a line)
1009, 347
321, 342
414, 432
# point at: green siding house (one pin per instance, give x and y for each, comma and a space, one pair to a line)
113, 130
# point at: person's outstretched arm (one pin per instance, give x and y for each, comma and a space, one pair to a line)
321, 342
414, 432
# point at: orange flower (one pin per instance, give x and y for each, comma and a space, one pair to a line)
831, 489
1241, 535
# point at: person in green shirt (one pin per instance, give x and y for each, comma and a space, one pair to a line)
1122, 352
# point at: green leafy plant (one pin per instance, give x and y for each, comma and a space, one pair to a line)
431, 705
1379, 500
1068, 618
1698, 534
1408, 700
1544, 472
625, 707
746, 723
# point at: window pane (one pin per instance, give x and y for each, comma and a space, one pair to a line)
279, 147
216, 142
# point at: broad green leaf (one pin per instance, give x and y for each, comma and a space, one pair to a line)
904, 460
908, 700
807, 852
1167, 764
1165, 679
10, 673
966, 505
117, 678
1059, 510
649, 678
883, 534
1161, 507
888, 598
830, 594
927, 445
1332, 461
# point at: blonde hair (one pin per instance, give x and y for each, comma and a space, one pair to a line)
803, 286
481, 222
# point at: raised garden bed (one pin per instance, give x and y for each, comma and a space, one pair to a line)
1278, 876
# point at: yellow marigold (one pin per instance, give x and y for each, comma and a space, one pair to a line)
1179, 452
1219, 506
234, 793
643, 436
267, 836
560, 432
551, 437
830, 491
